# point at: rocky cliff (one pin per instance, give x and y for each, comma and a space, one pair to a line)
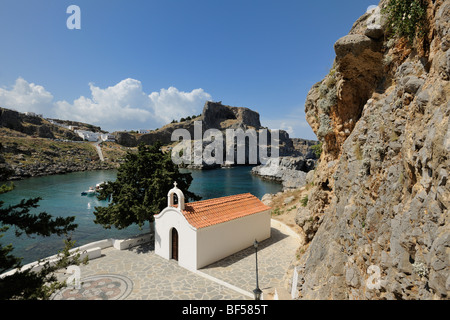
377, 219
215, 115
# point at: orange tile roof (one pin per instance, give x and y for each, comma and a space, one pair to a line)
206, 213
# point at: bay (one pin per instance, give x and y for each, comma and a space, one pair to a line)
61, 196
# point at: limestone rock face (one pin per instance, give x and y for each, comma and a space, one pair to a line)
125, 139
291, 171
214, 116
10, 119
381, 195
218, 116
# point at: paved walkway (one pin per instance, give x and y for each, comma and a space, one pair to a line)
99, 150
139, 273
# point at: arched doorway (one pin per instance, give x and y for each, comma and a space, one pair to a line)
174, 237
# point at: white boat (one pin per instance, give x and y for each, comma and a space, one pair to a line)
91, 192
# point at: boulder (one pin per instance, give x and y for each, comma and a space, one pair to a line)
125, 139
354, 44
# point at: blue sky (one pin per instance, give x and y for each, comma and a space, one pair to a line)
137, 64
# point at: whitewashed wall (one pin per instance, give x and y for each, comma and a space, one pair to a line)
168, 219
222, 240
199, 248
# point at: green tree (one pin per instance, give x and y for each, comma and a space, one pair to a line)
141, 188
26, 284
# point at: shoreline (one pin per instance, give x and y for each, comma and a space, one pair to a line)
58, 171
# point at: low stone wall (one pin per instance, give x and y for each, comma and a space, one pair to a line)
92, 250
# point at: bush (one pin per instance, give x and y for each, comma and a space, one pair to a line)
406, 18
317, 149
304, 201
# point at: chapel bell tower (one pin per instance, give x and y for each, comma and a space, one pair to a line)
180, 196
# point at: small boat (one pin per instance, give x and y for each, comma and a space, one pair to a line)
91, 192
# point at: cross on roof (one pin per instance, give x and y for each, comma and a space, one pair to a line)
175, 184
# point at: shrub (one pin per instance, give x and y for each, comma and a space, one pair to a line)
304, 201
317, 149
405, 18
276, 212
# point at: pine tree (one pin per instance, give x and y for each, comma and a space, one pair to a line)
141, 188
27, 284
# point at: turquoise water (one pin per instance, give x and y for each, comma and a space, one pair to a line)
61, 196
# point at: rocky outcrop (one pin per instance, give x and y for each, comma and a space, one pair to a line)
10, 119
303, 147
293, 165
290, 171
215, 115
125, 139
218, 116
377, 218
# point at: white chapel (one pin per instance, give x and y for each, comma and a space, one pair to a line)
200, 233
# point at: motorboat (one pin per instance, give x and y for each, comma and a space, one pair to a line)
91, 192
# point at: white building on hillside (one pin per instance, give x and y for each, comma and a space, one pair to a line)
200, 233
108, 137
88, 135
33, 114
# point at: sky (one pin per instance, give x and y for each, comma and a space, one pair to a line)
140, 64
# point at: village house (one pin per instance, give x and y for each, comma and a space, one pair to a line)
108, 137
88, 135
200, 233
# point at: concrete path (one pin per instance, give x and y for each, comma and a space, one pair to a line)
138, 273
99, 150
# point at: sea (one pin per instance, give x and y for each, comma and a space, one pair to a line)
61, 196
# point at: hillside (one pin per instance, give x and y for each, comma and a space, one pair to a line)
34, 125
381, 194
32, 146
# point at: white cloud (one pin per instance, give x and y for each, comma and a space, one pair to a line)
116, 107
122, 106
127, 106
171, 104
24, 96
